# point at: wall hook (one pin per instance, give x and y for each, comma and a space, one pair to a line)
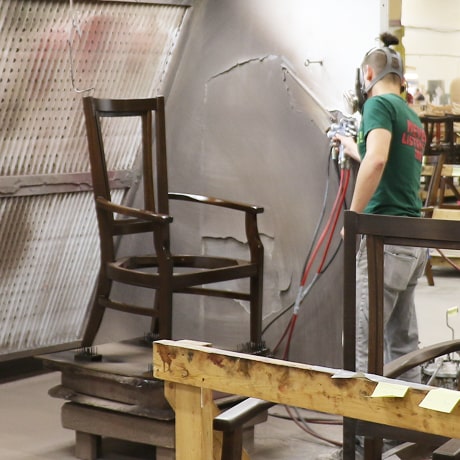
308, 62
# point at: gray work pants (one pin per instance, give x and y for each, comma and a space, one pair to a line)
402, 268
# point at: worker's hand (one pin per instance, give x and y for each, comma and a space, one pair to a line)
350, 148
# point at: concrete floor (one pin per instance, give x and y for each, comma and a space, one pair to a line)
30, 430
30, 420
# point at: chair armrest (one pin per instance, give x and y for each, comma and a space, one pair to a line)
238, 415
417, 357
449, 450
133, 212
252, 209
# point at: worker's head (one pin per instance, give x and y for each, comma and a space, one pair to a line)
381, 63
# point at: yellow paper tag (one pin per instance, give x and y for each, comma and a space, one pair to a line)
389, 390
441, 399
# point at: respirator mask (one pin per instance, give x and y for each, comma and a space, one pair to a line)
393, 64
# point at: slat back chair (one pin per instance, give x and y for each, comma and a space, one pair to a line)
160, 270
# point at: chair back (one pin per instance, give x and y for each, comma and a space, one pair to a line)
148, 137
439, 134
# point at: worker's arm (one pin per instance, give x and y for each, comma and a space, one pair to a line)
371, 168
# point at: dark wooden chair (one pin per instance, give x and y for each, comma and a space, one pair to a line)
380, 230
162, 271
441, 149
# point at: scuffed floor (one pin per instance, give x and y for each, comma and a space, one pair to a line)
30, 430
281, 438
30, 426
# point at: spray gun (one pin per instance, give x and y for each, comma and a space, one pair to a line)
346, 126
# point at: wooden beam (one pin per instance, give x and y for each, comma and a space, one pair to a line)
311, 387
44, 184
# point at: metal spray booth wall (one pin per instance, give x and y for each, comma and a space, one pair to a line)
250, 131
50, 53
240, 126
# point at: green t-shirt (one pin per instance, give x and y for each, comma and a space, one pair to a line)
398, 193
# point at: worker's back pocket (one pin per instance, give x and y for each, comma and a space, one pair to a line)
403, 266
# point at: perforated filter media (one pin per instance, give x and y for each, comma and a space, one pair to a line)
52, 54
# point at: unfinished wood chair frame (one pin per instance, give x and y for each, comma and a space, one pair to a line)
380, 230
156, 220
433, 192
448, 173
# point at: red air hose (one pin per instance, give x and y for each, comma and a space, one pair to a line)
328, 231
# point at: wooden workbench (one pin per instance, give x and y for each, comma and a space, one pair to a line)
192, 371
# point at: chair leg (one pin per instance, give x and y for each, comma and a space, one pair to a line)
97, 312
155, 323
372, 448
429, 273
256, 310
165, 298
349, 439
232, 445
256, 249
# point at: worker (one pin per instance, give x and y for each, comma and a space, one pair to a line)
389, 147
